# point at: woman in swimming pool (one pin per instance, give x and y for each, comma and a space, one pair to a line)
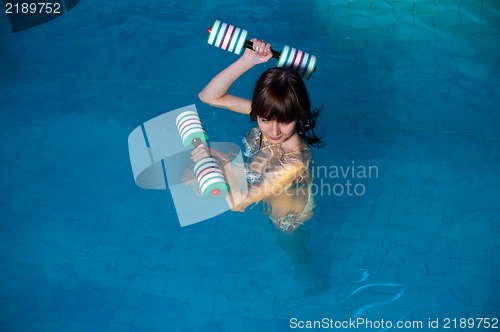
277, 151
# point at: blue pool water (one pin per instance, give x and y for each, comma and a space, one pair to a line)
409, 87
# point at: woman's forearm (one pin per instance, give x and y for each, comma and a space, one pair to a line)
221, 83
276, 185
215, 93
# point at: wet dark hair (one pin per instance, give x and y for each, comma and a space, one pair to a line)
281, 95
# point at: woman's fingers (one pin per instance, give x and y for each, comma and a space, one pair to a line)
260, 52
261, 47
267, 48
200, 152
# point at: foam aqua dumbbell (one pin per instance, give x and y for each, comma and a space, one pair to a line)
210, 177
230, 38
191, 129
207, 171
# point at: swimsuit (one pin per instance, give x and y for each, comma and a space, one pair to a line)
266, 161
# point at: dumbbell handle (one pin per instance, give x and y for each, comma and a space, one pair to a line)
276, 54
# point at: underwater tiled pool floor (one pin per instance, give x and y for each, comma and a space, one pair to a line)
82, 248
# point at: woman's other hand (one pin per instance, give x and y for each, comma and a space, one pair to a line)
200, 152
203, 151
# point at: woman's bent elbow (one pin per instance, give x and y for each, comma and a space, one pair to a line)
205, 99
202, 97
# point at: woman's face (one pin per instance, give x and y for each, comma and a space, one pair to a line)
276, 132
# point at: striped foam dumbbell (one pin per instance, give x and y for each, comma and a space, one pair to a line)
208, 173
191, 129
233, 39
210, 177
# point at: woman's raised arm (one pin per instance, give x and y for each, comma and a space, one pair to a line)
215, 93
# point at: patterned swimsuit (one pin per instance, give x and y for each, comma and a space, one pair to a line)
264, 161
